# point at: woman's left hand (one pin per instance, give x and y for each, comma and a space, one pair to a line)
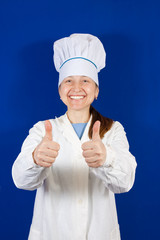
94, 151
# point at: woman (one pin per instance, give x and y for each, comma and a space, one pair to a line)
79, 160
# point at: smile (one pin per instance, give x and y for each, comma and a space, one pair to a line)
77, 97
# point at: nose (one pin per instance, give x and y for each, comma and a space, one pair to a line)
76, 87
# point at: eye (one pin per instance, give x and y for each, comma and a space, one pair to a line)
85, 80
68, 80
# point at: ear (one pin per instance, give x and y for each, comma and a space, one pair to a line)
59, 89
96, 91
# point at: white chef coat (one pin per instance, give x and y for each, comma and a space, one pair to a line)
74, 201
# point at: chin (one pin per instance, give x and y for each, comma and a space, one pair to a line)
78, 108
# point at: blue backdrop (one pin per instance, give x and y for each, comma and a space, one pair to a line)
129, 93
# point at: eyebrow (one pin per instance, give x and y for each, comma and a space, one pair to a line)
73, 76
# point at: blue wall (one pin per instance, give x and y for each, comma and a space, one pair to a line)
129, 93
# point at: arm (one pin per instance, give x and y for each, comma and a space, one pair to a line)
25, 172
118, 171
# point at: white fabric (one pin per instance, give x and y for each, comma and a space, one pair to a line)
74, 201
89, 50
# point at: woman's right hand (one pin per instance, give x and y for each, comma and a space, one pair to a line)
46, 152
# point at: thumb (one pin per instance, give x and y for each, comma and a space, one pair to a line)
48, 128
96, 131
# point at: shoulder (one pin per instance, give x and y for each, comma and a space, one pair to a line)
117, 136
116, 126
117, 129
39, 127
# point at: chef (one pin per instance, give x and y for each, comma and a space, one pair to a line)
78, 161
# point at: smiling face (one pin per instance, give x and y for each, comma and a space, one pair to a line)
78, 92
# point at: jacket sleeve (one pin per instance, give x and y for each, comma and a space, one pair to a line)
25, 173
118, 171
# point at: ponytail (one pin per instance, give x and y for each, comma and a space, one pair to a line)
106, 123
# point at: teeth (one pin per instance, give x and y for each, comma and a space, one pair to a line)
76, 97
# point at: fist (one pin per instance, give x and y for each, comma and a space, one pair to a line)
94, 151
46, 152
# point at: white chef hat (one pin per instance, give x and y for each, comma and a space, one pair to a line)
79, 54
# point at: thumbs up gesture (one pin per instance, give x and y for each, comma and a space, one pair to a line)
46, 152
94, 151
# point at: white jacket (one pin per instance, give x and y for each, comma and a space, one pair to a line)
74, 201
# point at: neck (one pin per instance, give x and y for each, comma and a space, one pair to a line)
81, 116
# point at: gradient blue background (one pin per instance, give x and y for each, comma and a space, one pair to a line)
129, 93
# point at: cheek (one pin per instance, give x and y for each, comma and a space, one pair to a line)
63, 91
91, 92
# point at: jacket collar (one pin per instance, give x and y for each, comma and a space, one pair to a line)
68, 131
